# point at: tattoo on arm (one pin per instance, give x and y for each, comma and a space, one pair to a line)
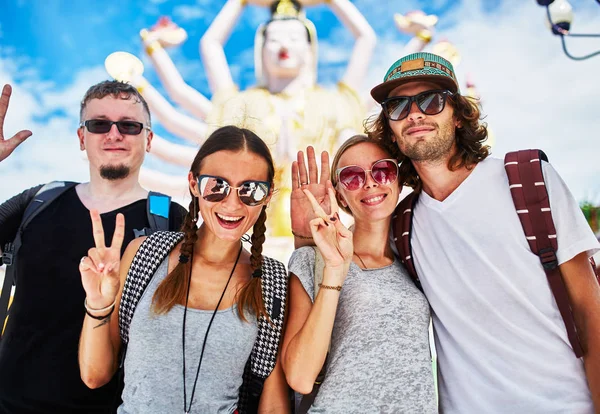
103, 322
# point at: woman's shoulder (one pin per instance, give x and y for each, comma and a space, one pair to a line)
302, 259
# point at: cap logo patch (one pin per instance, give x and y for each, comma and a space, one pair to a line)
412, 65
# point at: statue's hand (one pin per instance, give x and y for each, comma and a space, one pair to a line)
301, 209
7, 146
415, 22
166, 32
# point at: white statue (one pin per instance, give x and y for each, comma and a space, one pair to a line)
286, 107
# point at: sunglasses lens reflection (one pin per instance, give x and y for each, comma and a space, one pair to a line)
352, 177
384, 172
431, 103
213, 189
398, 108
253, 193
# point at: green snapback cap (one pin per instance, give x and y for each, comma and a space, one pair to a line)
419, 66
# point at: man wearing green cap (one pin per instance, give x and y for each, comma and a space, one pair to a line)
501, 343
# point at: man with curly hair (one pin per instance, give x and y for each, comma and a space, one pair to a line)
501, 343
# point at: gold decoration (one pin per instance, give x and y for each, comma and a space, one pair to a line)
425, 35
285, 9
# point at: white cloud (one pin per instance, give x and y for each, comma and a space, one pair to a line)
186, 13
69, 98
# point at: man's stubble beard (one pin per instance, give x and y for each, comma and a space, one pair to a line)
114, 172
433, 150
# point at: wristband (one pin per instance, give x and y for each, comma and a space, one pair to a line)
109, 308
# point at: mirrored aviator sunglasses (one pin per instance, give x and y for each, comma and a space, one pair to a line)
215, 189
102, 126
433, 102
353, 177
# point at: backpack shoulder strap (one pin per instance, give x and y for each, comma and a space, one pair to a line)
149, 256
274, 282
402, 233
44, 196
158, 206
530, 196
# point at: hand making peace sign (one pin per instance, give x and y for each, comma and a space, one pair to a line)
332, 238
100, 268
7, 146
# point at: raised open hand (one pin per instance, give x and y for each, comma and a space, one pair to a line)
332, 238
100, 268
7, 146
301, 210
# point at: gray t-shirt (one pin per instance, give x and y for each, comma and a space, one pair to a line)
153, 365
379, 360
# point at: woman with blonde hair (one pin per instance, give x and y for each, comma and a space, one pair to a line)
367, 323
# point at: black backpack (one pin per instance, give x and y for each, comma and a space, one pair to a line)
274, 281
530, 196
157, 208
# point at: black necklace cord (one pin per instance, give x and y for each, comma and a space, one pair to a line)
186, 410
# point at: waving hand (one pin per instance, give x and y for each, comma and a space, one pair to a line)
7, 146
301, 209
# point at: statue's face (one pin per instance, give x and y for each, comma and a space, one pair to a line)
287, 49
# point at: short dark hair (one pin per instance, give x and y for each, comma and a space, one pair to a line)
470, 138
116, 89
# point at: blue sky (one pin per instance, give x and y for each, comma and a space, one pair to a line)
51, 51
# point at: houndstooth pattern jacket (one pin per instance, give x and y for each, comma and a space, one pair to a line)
274, 280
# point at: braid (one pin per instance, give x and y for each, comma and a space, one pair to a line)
250, 296
173, 288
258, 238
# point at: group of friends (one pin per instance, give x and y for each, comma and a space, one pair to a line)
356, 325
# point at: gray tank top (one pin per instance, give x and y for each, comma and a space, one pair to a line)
379, 361
153, 365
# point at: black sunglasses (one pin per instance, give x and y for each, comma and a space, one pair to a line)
102, 126
397, 108
215, 189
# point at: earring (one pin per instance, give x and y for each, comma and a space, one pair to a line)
195, 208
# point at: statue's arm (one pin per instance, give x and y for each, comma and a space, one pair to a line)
173, 153
179, 91
211, 46
174, 121
364, 45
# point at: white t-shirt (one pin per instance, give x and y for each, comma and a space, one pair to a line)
501, 343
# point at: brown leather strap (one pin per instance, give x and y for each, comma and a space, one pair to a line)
402, 232
530, 196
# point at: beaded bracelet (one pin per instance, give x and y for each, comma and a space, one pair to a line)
338, 288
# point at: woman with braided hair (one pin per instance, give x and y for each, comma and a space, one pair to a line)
196, 324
